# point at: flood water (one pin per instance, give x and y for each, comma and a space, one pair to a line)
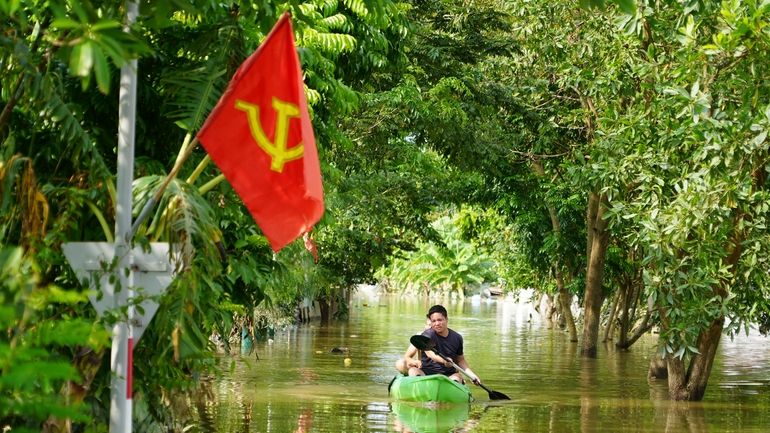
298, 385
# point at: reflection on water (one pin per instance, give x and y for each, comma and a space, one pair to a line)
428, 418
297, 383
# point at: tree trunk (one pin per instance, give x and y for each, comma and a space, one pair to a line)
640, 330
546, 309
691, 384
565, 301
324, 306
598, 236
625, 342
658, 368
629, 298
593, 208
617, 303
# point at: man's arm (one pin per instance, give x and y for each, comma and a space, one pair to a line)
464, 365
439, 360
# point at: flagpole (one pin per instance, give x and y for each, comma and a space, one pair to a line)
159, 192
121, 406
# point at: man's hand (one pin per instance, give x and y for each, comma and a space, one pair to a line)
414, 363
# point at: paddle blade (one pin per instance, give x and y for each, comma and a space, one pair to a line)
495, 395
421, 342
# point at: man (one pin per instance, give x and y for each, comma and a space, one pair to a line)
447, 342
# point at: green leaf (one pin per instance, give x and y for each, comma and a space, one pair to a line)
58, 295
81, 59
10, 6
627, 6
357, 6
106, 25
7, 316
101, 70
65, 23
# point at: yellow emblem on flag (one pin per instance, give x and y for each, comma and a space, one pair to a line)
277, 150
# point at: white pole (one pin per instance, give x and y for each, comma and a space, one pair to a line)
121, 409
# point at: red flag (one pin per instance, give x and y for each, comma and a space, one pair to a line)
260, 136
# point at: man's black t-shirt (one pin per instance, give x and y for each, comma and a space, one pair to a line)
450, 346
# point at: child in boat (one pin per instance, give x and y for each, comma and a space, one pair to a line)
409, 360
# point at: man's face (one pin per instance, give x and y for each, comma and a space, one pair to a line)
438, 323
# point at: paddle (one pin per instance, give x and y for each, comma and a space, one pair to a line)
424, 343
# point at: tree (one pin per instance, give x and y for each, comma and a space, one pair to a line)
63, 125
691, 161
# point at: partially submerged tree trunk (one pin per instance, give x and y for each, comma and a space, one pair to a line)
609, 329
325, 307
658, 367
690, 384
631, 292
629, 299
598, 239
545, 307
565, 301
624, 342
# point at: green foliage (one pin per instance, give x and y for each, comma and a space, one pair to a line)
90, 41
64, 128
627, 6
658, 107
417, 107
695, 158
452, 265
34, 365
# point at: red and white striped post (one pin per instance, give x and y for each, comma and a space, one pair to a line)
121, 408
151, 272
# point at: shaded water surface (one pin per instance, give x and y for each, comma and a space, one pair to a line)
298, 385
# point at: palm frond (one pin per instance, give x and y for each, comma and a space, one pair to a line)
331, 43
192, 94
182, 217
62, 118
328, 7
335, 22
357, 6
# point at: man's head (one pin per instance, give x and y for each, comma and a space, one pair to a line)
438, 319
437, 309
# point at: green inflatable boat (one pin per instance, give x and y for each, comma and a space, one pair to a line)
436, 388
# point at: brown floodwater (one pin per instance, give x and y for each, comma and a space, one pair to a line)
296, 384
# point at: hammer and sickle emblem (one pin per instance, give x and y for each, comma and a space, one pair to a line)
277, 150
